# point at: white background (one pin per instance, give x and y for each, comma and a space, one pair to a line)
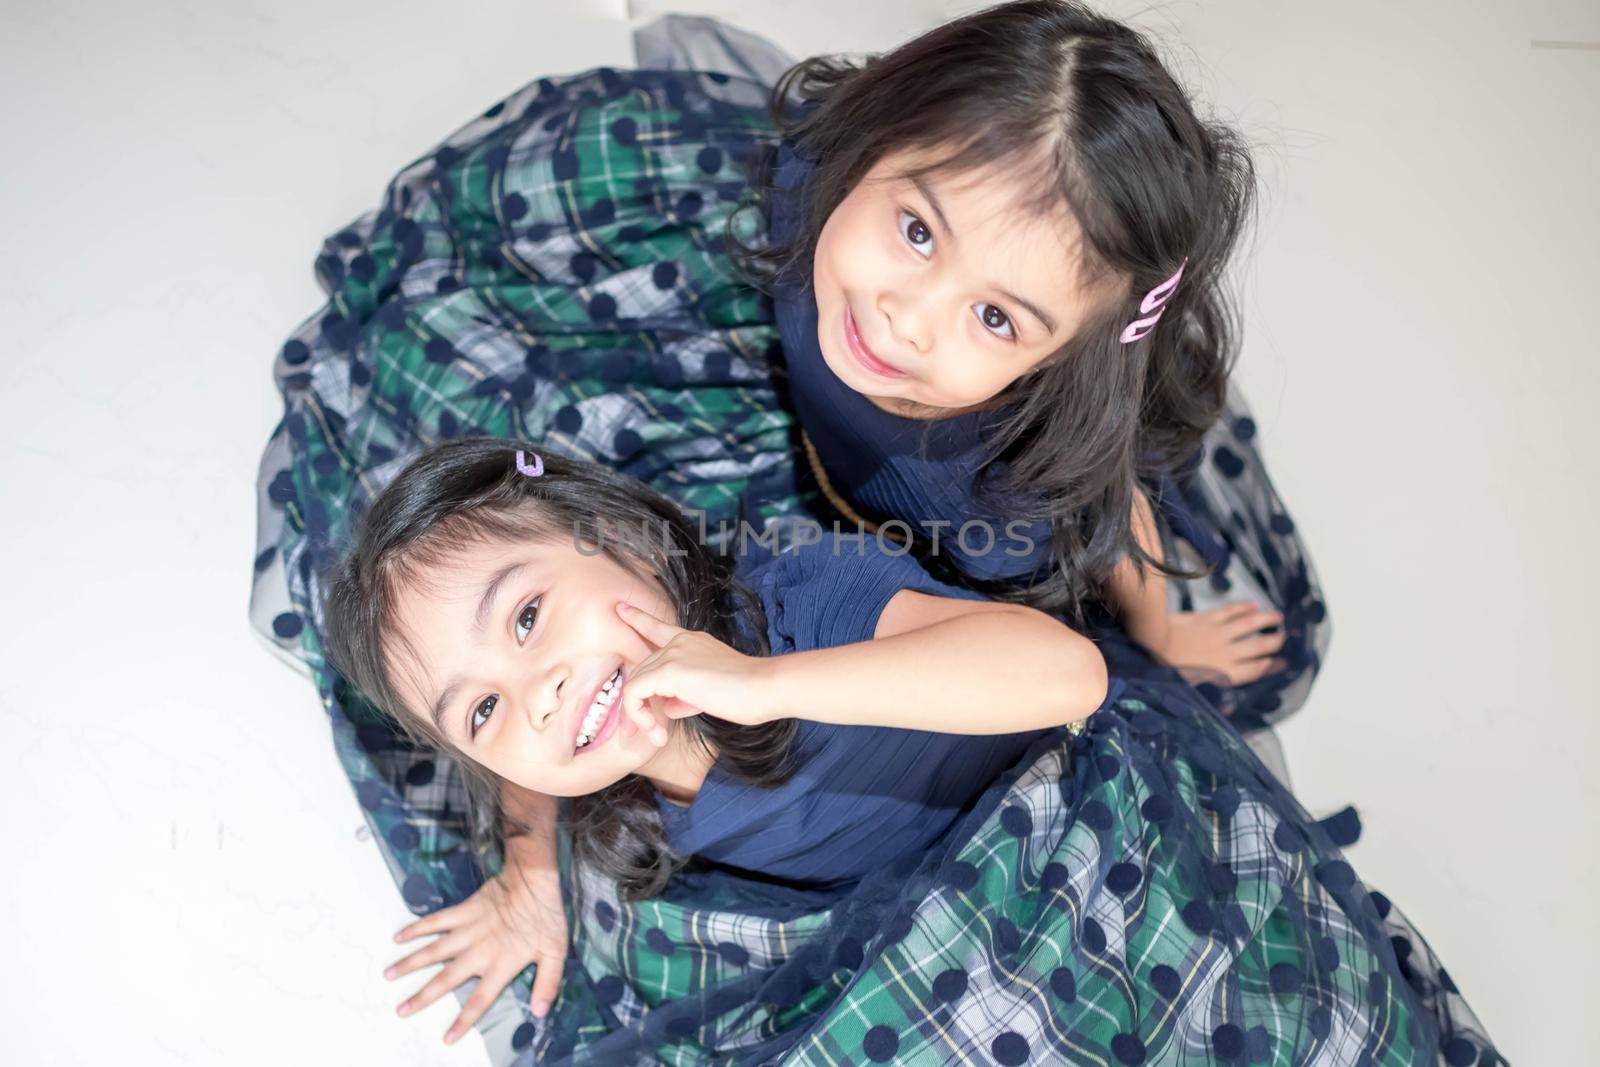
183, 883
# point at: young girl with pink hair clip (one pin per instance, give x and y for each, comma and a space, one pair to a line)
995, 332
1011, 321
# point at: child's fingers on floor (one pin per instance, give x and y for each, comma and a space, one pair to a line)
447, 979
1250, 622
1248, 648
547, 981
1254, 670
1250, 670
488, 988
443, 919
429, 954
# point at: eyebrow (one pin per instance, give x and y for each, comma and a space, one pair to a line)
479, 619
944, 224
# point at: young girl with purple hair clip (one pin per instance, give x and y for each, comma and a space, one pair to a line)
995, 332
832, 810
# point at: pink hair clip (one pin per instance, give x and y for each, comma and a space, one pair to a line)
532, 470
1154, 301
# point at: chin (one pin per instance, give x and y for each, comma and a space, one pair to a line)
583, 789
575, 785
844, 367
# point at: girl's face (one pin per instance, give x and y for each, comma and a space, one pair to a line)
509, 649
951, 293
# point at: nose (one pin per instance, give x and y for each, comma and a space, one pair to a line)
543, 694
910, 319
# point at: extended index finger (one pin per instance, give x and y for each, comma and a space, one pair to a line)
652, 629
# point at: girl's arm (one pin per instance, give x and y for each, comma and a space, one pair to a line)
947, 665
514, 919
1139, 594
528, 825
1228, 640
944, 664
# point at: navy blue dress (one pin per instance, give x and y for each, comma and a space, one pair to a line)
586, 212
1143, 893
862, 796
1218, 512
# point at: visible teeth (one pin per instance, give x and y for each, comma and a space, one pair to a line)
597, 711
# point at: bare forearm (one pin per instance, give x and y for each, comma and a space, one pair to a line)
1139, 593
1140, 598
1004, 671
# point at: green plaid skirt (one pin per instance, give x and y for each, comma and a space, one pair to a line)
557, 271
1144, 894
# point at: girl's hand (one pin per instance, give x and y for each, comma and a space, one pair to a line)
515, 918
1226, 640
692, 673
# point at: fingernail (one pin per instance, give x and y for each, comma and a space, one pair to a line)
404, 1009
450, 1038
401, 936
540, 1007
388, 972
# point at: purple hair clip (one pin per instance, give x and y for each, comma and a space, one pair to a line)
532, 470
1154, 301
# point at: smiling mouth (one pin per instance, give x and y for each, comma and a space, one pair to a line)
864, 356
600, 710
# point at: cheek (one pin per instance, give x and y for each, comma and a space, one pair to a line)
846, 247
969, 377
822, 272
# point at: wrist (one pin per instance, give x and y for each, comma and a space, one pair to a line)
530, 843
1152, 631
534, 848
800, 683
771, 693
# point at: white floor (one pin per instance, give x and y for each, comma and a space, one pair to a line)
184, 883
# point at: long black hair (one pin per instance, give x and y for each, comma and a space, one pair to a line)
469, 491
1049, 85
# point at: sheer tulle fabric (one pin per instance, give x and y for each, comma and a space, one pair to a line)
554, 271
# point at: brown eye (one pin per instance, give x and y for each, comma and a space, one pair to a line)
992, 313
485, 708
917, 233
526, 618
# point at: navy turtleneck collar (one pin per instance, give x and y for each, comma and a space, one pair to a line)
915, 470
